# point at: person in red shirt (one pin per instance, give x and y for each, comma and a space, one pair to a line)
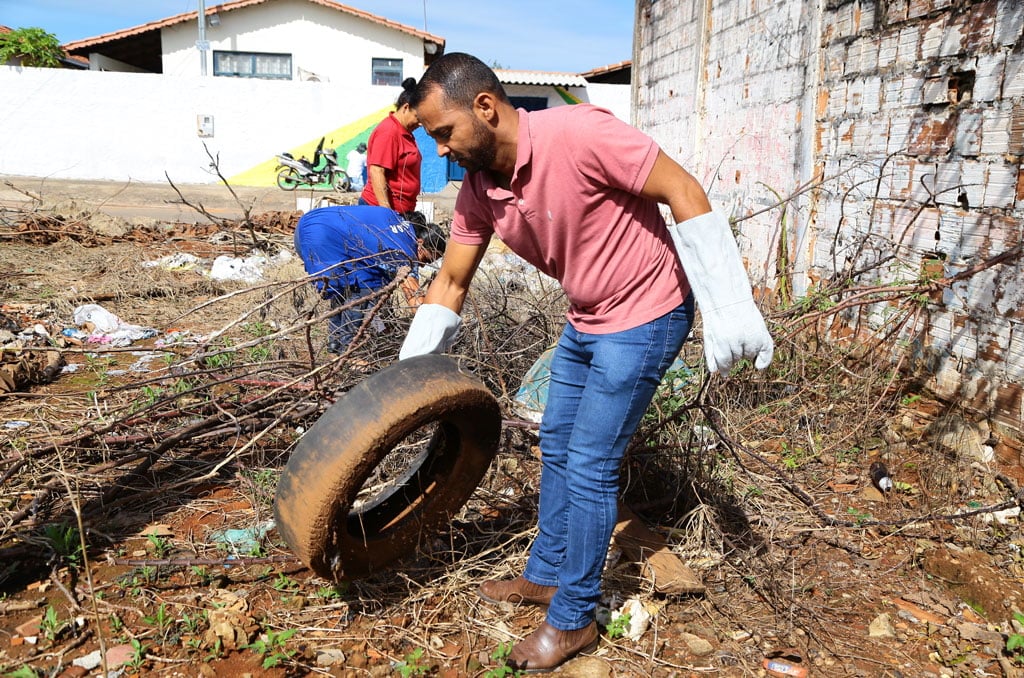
578, 194
393, 159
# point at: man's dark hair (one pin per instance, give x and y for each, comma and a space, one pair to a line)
414, 217
408, 88
460, 78
434, 239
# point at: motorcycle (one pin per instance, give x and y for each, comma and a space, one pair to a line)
323, 171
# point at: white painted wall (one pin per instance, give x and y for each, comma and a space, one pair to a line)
120, 126
613, 97
337, 46
136, 126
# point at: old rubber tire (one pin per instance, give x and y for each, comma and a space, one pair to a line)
333, 460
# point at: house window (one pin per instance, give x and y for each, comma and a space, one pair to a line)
253, 65
387, 72
529, 103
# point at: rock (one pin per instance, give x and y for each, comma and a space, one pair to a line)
586, 667
881, 627
119, 655
329, 657
89, 661
696, 645
29, 628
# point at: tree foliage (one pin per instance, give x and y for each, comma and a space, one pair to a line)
33, 46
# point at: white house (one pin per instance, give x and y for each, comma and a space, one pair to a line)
272, 76
316, 40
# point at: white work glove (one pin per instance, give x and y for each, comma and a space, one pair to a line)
733, 326
432, 330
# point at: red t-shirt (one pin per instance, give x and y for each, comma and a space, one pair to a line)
574, 212
393, 147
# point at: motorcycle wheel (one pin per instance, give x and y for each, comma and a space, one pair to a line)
288, 179
342, 182
386, 466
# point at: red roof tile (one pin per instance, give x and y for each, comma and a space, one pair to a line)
239, 4
600, 70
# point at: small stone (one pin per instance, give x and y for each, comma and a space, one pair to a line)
587, 667
881, 627
89, 661
329, 657
29, 628
119, 655
697, 645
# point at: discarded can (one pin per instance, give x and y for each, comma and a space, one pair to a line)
880, 476
784, 663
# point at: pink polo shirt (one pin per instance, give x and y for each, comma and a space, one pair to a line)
574, 212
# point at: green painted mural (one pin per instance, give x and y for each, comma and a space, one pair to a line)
342, 139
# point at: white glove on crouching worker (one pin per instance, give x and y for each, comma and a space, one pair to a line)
733, 326
432, 330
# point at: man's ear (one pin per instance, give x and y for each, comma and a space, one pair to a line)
484, 106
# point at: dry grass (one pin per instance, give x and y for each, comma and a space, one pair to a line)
746, 477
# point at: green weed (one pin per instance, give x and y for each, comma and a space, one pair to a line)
161, 547
618, 626
161, 620
272, 646
500, 656
65, 542
1015, 642
412, 665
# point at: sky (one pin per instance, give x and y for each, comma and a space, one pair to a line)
571, 36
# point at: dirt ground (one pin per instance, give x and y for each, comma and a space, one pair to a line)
160, 453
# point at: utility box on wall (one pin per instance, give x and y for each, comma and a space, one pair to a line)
204, 125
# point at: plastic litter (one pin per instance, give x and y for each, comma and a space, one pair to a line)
532, 396
180, 261
784, 663
249, 269
880, 476
106, 328
244, 540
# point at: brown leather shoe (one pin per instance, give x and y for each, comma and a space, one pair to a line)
516, 591
548, 647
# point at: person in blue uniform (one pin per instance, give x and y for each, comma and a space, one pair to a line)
355, 250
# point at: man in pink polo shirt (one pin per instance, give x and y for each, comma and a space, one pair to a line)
576, 192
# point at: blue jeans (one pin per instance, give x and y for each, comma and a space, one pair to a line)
601, 386
342, 327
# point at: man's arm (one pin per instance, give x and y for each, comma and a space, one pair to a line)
733, 326
379, 182
451, 283
437, 319
672, 185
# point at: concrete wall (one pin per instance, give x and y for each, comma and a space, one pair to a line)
128, 126
910, 113
135, 126
336, 46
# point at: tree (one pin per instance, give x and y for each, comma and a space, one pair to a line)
33, 46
